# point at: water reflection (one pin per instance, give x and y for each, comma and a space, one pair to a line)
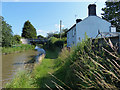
11, 63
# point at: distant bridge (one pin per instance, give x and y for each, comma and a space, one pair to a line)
34, 41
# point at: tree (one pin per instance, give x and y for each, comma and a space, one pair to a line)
40, 36
112, 13
7, 34
64, 34
57, 35
28, 30
51, 34
17, 39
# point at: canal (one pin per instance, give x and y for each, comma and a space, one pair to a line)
12, 63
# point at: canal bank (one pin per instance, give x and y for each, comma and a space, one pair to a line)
35, 78
13, 63
17, 49
29, 65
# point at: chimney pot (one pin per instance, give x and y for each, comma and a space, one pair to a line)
78, 20
92, 10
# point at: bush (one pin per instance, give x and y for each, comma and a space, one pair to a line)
17, 39
87, 67
54, 43
23, 47
59, 43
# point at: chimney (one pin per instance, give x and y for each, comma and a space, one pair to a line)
92, 10
78, 20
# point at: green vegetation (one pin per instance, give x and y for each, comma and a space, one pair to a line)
28, 30
17, 39
83, 67
57, 35
7, 34
111, 13
22, 79
11, 43
8, 50
8, 39
40, 36
54, 42
36, 79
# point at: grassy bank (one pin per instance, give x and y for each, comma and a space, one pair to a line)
86, 66
22, 47
38, 77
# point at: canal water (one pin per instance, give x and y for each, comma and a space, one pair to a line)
12, 63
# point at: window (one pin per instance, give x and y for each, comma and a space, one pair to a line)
68, 35
73, 33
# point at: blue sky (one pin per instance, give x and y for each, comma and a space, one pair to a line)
45, 16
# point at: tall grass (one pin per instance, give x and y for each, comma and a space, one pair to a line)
39, 76
22, 79
89, 66
86, 66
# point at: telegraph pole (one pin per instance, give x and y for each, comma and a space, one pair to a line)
60, 27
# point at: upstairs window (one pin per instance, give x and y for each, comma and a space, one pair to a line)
73, 33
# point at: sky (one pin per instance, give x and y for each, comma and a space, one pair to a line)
46, 16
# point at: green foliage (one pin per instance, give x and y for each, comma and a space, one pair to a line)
23, 47
57, 35
17, 39
52, 40
28, 30
111, 13
39, 76
86, 66
24, 79
40, 36
7, 34
91, 65
59, 43
64, 34
54, 43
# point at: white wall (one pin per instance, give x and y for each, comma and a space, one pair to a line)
71, 37
91, 25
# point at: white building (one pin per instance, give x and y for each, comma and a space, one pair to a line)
90, 25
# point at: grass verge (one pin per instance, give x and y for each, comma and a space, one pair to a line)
23, 47
39, 76
86, 66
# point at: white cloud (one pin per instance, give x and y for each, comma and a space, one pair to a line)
44, 32
58, 26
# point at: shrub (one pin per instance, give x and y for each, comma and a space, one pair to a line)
17, 39
59, 43
54, 43
23, 47
87, 67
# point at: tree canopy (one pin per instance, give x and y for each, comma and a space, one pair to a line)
17, 39
57, 35
7, 34
112, 13
40, 36
28, 30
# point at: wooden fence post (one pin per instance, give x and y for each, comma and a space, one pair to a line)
119, 43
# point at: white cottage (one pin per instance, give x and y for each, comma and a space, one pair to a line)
90, 25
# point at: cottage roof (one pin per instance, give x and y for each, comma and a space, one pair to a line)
71, 28
84, 20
